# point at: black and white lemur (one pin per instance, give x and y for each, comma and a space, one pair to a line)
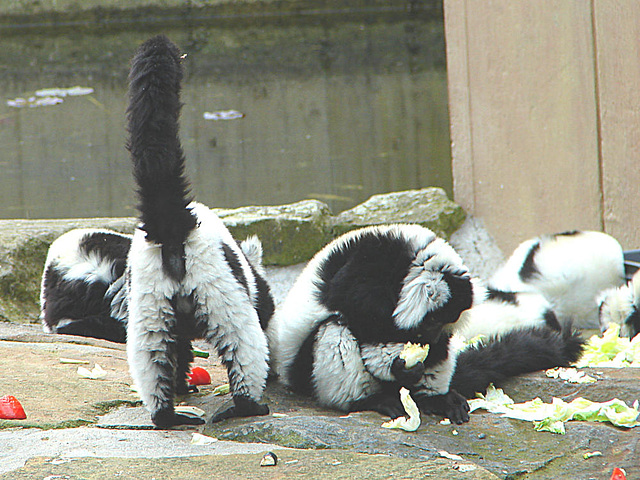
187, 277
570, 269
339, 333
83, 287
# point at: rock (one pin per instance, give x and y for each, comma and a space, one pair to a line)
290, 234
478, 249
428, 207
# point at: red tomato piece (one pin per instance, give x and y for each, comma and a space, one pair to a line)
10, 408
199, 376
618, 474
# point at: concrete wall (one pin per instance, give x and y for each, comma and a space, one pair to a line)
544, 106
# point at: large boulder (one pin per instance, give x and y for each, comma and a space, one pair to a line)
290, 234
429, 207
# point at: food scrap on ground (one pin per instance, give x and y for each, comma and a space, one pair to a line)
618, 474
97, 373
11, 409
200, 439
199, 376
190, 410
222, 389
611, 350
552, 417
410, 424
570, 375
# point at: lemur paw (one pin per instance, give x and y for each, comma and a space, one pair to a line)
242, 407
451, 405
167, 418
406, 376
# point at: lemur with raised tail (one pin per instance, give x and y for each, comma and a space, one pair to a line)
341, 330
187, 277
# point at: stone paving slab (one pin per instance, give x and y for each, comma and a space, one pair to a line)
292, 464
54, 396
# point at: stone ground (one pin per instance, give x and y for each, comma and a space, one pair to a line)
79, 428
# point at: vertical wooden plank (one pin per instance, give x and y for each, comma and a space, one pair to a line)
455, 18
532, 116
617, 30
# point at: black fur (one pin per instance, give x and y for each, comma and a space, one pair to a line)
362, 281
84, 302
552, 321
529, 269
568, 233
158, 159
633, 322
302, 371
264, 304
234, 264
514, 353
503, 296
108, 245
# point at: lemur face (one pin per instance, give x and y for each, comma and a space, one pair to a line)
428, 331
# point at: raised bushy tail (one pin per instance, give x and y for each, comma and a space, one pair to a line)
158, 159
514, 353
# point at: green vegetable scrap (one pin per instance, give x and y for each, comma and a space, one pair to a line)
199, 353
611, 350
551, 417
222, 389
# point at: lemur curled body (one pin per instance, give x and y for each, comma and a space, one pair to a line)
187, 277
83, 287
339, 333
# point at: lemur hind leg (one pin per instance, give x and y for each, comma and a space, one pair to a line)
235, 332
152, 349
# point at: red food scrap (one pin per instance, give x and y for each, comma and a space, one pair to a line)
199, 376
10, 408
618, 474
